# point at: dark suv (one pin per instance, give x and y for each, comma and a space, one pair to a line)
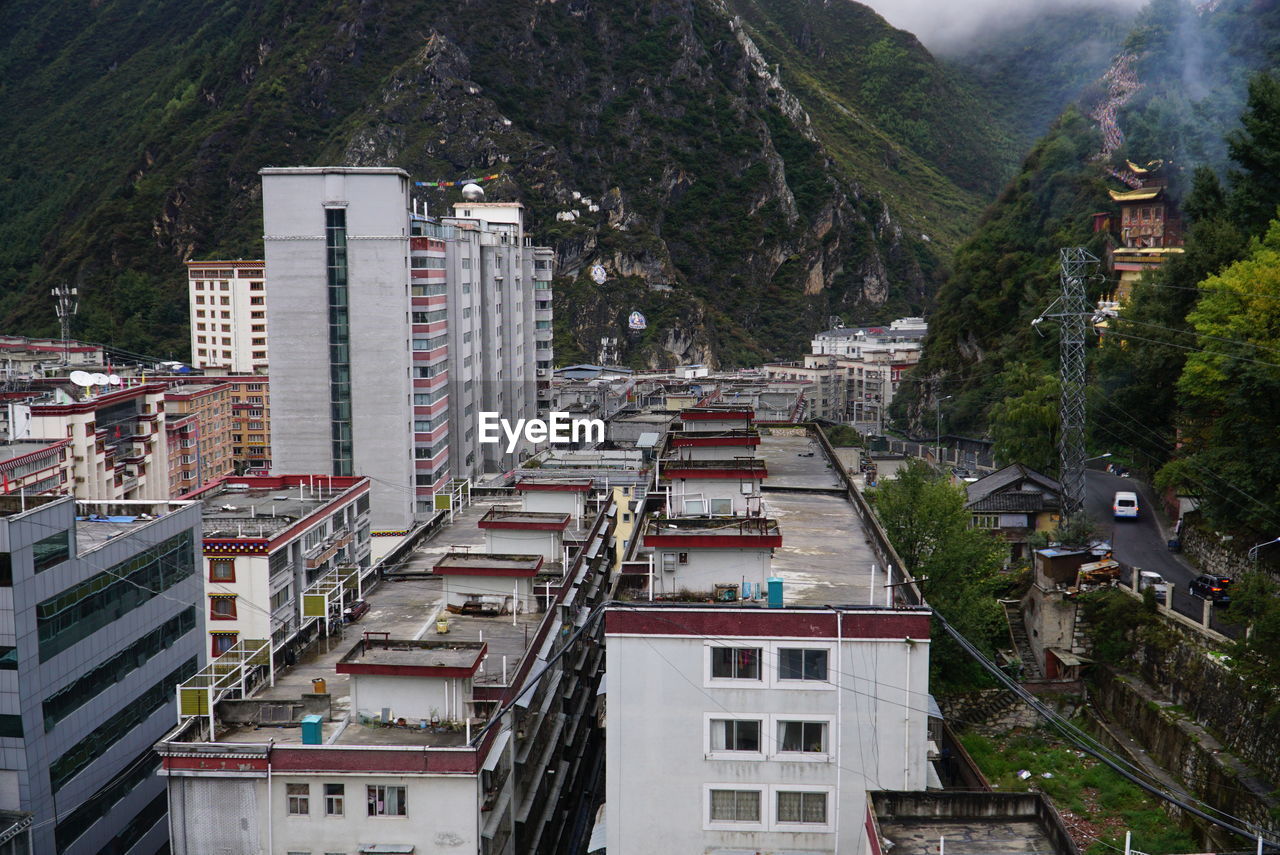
1208, 586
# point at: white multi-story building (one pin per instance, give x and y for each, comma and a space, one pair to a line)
118, 448
272, 542
760, 730
228, 310
875, 360
428, 325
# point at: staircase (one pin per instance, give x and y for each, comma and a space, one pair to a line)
1021, 642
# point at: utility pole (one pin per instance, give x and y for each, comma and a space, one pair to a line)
1072, 310
67, 303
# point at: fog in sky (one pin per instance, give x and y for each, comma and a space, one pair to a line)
946, 25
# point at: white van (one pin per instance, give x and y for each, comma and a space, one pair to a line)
1152, 579
1125, 506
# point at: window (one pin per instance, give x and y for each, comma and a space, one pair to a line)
54, 549
386, 801
735, 663
803, 807
222, 608
735, 735
735, 806
808, 737
333, 798
796, 663
986, 520
299, 796
253, 301
8, 659
222, 569
222, 642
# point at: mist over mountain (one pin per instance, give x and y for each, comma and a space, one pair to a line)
948, 27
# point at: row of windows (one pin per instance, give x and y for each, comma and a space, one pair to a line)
83, 609
380, 800
62, 703
745, 808
93, 746
100, 803
430, 317
421, 344
51, 551
745, 663
779, 737
426, 262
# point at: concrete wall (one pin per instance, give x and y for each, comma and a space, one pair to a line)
708, 567
495, 589
410, 698
514, 542
684, 490
1050, 620
376, 205
555, 501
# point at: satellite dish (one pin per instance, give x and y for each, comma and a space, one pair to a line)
99, 379
636, 321
114, 379
598, 274
81, 378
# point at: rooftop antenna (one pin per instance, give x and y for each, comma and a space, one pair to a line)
66, 304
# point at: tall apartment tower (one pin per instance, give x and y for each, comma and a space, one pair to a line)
98, 626
495, 313
353, 336
227, 304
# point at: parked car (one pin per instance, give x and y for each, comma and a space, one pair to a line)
1152, 579
355, 611
1125, 506
1210, 586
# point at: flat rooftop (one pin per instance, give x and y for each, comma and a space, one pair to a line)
259, 512
480, 561
404, 609
973, 823
17, 449
374, 653
515, 518
99, 522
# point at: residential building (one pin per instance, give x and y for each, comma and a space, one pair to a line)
118, 444
499, 328
250, 422
875, 360
443, 329
36, 467
37, 357
98, 627
470, 734
1012, 504
752, 729
228, 310
337, 243
272, 542
198, 434
828, 381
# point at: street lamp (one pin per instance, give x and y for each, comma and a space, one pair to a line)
937, 435
1253, 551
1099, 457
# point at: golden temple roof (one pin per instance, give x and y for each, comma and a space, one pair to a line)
1142, 195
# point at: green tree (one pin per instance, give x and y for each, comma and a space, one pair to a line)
1255, 600
1024, 424
1256, 148
1230, 391
925, 519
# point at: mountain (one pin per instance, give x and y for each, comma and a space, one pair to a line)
1173, 92
758, 165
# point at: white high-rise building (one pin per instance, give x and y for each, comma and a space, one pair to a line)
393, 332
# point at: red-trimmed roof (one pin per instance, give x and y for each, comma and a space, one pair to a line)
488, 564
719, 621
524, 520
578, 485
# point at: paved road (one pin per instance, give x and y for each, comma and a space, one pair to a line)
1142, 542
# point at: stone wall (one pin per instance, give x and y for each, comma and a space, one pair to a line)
1178, 665
988, 711
1178, 744
1211, 554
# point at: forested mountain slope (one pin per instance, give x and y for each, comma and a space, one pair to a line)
753, 175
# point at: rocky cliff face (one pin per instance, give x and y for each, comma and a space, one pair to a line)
667, 140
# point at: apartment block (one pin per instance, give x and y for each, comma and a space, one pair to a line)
117, 438
36, 467
429, 324
753, 729
472, 732
198, 433
227, 302
98, 626
284, 557
875, 359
